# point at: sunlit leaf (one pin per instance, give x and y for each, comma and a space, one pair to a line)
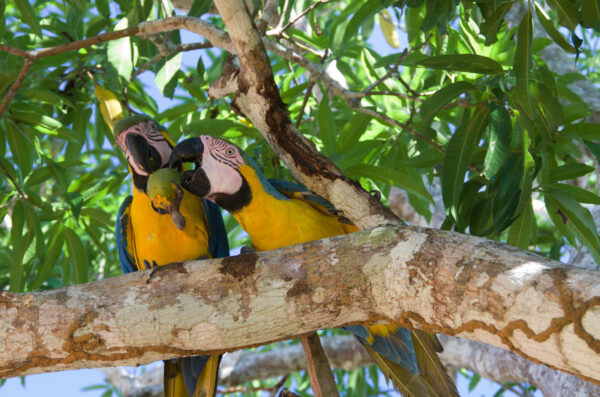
29, 16
522, 64
567, 12
388, 29
551, 30
77, 255
119, 53
462, 63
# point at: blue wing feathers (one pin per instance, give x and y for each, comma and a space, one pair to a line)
217, 241
288, 188
127, 263
398, 347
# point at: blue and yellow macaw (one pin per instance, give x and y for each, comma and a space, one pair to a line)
276, 214
154, 230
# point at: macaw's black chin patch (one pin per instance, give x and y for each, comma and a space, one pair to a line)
196, 182
234, 202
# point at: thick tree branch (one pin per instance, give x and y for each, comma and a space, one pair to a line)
435, 280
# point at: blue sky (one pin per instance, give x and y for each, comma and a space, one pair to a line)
71, 383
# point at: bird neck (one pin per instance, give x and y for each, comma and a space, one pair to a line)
261, 208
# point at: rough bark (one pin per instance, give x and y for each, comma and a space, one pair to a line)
439, 281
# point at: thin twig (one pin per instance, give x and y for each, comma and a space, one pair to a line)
15, 86
12, 180
15, 51
392, 70
170, 52
279, 385
398, 124
303, 13
242, 389
308, 91
267, 15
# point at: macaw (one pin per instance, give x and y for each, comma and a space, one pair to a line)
148, 237
276, 214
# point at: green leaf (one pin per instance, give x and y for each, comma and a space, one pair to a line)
437, 101
119, 53
55, 246
29, 16
547, 106
168, 71
590, 14
34, 224
462, 63
458, 154
103, 8
428, 159
578, 219
2, 24
567, 12
20, 147
520, 231
77, 255
552, 31
522, 64
500, 130
393, 177
559, 219
490, 27
505, 187
326, 120
199, 8
352, 131
579, 194
587, 131
474, 381
367, 10
569, 171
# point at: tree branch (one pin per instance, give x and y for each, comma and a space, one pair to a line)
343, 351
438, 281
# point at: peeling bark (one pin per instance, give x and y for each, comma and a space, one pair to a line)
438, 281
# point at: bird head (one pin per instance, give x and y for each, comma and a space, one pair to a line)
217, 174
165, 193
146, 144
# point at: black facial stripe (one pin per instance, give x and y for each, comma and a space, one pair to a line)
217, 156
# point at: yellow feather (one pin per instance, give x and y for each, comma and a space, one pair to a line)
407, 383
110, 107
207, 381
174, 385
156, 238
388, 29
430, 365
273, 223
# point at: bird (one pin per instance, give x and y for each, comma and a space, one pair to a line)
278, 213
154, 230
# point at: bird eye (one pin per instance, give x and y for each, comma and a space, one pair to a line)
230, 152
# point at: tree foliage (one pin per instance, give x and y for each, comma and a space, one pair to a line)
471, 105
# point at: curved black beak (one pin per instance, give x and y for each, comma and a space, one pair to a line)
187, 151
142, 153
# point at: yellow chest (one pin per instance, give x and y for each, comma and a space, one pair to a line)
157, 240
272, 223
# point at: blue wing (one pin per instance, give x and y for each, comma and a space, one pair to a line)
123, 226
397, 347
217, 241
291, 189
